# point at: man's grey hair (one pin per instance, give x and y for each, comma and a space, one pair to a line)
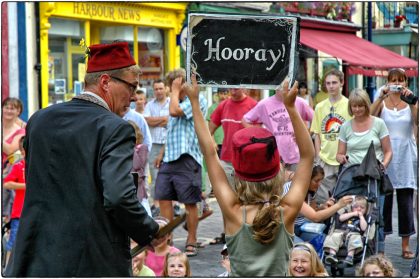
92, 78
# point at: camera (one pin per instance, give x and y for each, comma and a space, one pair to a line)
395, 88
409, 99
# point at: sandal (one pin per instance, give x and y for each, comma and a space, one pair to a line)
191, 250
218, 240
407, 255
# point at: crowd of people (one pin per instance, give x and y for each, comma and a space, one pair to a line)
85, 180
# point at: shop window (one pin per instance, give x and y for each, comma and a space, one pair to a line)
151, 55
66, 64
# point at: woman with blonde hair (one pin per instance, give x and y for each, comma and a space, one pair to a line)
305, 262
356, 136
258, 223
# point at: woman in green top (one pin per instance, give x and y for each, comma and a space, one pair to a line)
258, 223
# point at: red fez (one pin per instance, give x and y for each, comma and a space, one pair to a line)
109, 57
255, 155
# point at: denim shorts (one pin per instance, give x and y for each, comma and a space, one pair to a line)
14, 225
179, 180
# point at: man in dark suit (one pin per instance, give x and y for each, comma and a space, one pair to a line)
81, 207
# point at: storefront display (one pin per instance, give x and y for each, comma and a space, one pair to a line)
149, 28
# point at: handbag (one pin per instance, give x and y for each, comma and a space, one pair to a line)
386, 187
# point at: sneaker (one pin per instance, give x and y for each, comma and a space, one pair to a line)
331, 259
177, 210
348, 260
155, 211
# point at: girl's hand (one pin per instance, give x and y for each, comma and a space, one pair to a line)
192, 90
345, 201
289, 96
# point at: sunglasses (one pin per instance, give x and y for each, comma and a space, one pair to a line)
131, 86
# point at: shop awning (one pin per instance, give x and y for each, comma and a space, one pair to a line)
363, 57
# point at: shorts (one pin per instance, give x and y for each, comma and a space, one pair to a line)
179, 180
14, 225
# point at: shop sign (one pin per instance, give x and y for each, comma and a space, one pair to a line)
98, 10
242, 51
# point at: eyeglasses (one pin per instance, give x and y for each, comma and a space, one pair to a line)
131, 86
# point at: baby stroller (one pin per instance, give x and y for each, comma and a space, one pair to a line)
358, 179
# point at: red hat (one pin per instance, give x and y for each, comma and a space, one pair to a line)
109, 57
255, 155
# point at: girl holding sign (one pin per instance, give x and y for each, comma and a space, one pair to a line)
258, 223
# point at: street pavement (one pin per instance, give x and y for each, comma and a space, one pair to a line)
207, 262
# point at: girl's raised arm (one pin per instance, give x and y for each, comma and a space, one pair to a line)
225, 196
294, 199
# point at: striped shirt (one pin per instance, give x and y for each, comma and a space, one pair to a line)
155, 109
181, 137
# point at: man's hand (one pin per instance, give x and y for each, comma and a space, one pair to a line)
176, 86
158, 160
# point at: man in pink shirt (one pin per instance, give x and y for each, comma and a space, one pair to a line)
272, 113
229, 114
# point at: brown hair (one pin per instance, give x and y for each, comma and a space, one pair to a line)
180, 255
317, 267
267, 220
137, 131
398, 73
92, 78
15, 102
382, 262
317, 169
172, 75
359, 97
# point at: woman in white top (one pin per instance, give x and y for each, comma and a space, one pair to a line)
402, 122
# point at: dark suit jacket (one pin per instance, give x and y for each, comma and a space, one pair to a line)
80, 205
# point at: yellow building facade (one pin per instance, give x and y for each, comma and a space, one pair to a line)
149, 28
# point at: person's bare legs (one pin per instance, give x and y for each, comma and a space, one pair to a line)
166, 209
192, 221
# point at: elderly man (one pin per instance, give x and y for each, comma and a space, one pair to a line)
81, 207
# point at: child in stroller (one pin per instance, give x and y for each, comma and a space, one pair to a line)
349, 232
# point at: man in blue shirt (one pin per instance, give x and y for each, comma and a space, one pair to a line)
179, 176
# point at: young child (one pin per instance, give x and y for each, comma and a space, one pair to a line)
176, 265
138, 266
156, 260
350, 230
15, 180
258, 223
377, 266
141, 153
304, 262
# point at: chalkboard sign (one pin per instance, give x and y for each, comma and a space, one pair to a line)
245, 51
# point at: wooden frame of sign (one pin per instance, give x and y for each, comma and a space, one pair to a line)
242, 51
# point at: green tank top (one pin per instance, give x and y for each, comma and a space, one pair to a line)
249, 258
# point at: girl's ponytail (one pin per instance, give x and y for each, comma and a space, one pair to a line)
267, 220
